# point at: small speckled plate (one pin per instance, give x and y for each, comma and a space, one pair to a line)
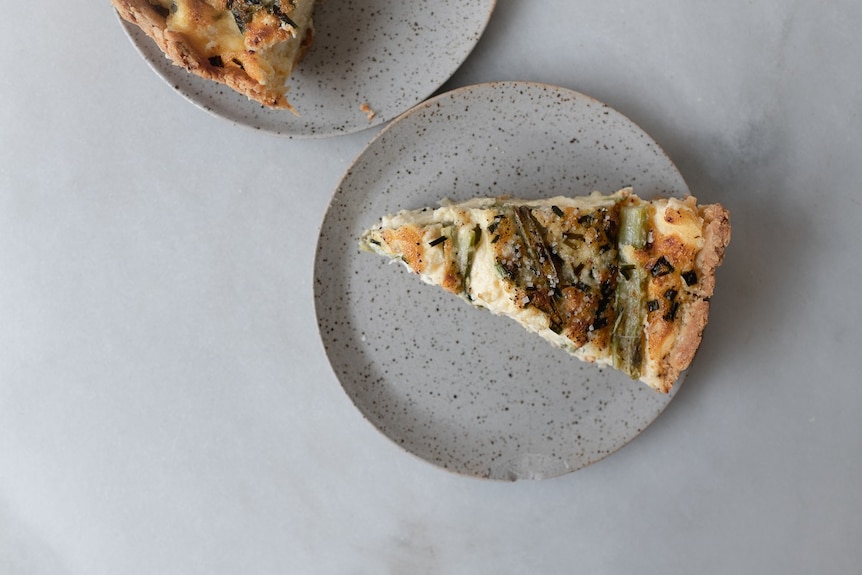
386, 54
457, 386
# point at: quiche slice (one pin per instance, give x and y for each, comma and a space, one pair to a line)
613, 279
251, 46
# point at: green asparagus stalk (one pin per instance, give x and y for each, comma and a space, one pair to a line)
540, 265
627, 339
468, 239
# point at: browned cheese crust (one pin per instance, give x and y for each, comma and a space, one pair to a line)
408, 241
687, 329
152, 20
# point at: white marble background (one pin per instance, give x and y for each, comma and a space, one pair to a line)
165, 403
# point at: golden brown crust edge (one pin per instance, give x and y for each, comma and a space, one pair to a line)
142, 14
716, 233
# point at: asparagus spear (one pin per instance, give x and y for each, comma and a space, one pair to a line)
468, 239
628, 333
541, 268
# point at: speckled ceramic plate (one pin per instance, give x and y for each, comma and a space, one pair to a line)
388, 54
457, 386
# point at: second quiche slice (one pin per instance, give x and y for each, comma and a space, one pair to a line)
613, 279
251, 46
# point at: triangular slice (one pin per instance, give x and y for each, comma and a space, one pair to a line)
250, 45
613, 279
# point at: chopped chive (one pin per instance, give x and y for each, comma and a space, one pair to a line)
504, 271
611, 230
626, 270
671, 313
661, 267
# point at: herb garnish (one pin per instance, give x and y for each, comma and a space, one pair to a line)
244, 10
661, 267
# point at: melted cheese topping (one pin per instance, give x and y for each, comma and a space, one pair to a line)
680, 218
267, 49
209, 30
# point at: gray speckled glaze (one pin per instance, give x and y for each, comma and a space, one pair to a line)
388, 54
457, 386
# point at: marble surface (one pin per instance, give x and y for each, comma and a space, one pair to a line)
165, 401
